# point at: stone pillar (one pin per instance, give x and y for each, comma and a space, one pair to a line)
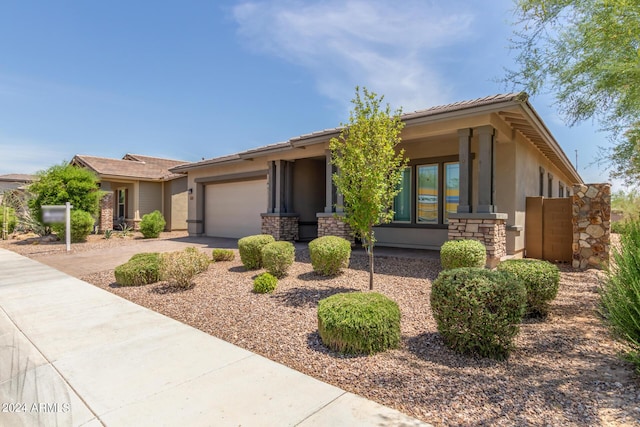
464, 147
485, 169
106, 212
281, 226
332, 225
489, 229
591, 225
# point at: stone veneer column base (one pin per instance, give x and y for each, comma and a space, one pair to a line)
489, 228
106, 213
591, 225
330, 224
282, 226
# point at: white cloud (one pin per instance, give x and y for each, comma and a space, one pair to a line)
386, 46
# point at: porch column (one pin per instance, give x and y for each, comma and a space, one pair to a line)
136, 201
279, 188
485, 170
329, 202
270, 185
464, 148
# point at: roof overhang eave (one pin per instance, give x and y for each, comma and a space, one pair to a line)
551, 142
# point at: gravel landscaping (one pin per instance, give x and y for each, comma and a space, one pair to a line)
565, 369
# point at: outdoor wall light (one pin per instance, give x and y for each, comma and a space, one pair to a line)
190, 191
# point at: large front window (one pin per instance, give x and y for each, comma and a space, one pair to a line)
122, 203
402, 202
431, 196
427, 197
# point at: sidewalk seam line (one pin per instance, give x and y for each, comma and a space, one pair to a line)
322, 407
50, 363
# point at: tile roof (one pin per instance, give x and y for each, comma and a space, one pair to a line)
131, 166
520, 97
18, 177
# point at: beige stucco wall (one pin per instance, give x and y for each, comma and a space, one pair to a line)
150, 196
178, 199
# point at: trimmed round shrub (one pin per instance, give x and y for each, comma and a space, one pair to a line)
359, 323
265, 283
478, 310
179, 268
462, 253
541, 278
141, 269
329, 254
277, 257
250, 249
223, 255
152, 224
81, 226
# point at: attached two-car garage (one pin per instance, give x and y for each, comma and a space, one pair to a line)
232, 209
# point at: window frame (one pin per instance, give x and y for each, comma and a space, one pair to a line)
123, 192
413, 165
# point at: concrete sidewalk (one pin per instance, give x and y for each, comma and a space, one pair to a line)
72, 354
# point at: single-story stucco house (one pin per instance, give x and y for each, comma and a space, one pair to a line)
14, 181
137, 185
472, 164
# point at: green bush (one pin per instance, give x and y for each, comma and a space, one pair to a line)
359, 323
329, 254
462, 253
277, 257
250, 249
620, 291
223, 255
141, 269
541, 278
12, 220
265, 283
179, 268
152, 224
81, 226
478, 310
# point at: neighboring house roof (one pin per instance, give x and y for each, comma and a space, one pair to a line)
18, 177
134, 166
526, 121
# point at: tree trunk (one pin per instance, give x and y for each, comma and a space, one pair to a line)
370, 267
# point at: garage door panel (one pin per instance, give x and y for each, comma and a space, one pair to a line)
232, 209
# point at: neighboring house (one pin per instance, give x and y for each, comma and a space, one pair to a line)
16, 184
472, 165
137, 185
15, 181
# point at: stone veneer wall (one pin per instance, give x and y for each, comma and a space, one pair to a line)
591, 225
106, 212
490, 229
281, 227
331, 225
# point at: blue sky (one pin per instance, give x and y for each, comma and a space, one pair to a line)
196, 78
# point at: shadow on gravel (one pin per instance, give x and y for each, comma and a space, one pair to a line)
430, 347
314, 342
238, 269
169, 289
312, 276
308, 297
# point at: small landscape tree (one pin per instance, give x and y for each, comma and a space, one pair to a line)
369, 167
65, 183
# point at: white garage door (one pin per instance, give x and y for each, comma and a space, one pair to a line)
232, 209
